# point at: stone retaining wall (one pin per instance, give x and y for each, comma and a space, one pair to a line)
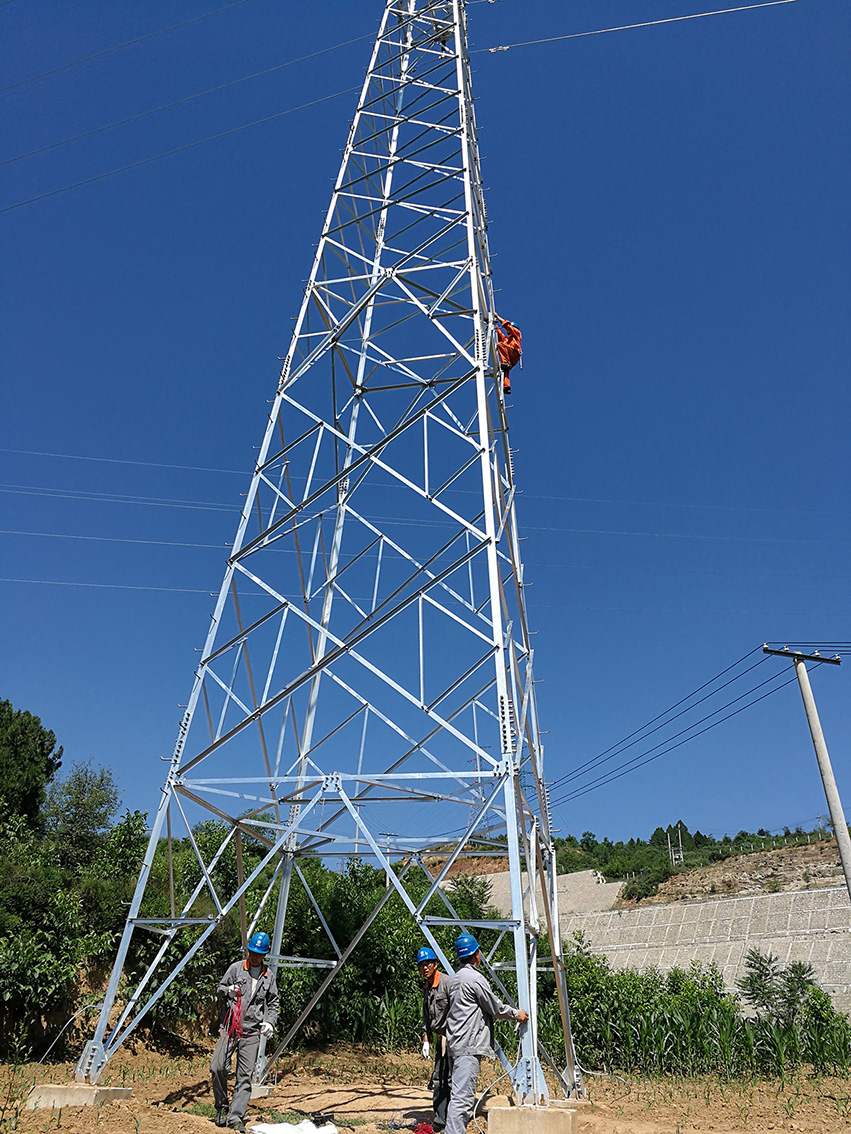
585, 891
799, 925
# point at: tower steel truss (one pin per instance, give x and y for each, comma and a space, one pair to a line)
368, 667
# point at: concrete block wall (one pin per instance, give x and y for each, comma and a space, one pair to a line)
799, 925
581, 892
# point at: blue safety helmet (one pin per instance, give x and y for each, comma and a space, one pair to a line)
466, 946
259, 943
426, 954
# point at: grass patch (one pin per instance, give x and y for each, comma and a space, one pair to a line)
202, 1109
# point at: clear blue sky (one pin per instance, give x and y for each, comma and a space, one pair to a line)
669, 215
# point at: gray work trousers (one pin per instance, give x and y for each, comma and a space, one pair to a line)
246, 1056
441, 1078
465, 1074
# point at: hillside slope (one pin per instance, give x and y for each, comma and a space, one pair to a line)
761, 872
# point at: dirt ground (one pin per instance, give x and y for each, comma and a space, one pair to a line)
373, 1093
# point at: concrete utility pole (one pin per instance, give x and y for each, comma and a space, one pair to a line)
834, 803
676, 857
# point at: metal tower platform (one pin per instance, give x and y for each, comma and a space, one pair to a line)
368, 668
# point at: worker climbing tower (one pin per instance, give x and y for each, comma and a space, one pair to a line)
366, 683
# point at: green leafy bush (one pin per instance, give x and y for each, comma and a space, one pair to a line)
67, 874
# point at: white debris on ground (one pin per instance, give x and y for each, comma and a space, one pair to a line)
305, 1127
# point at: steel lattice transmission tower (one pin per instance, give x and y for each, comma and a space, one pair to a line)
368, 667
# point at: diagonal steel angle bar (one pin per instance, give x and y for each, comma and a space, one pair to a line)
462, 842
315, 905
317, 996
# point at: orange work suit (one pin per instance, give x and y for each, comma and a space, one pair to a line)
509, 348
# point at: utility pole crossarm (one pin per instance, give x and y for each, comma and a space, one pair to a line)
796, 655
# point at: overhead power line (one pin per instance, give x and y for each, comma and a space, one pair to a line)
111, 586
113, 539
170, 502
530, 563
682, 731
119, 46
675, 504
792, 642
632, 765
526, 495
684, 536
120, 461
114, 498
617, 748
178, 150
181, 101
774, 830
628, 27
214, 137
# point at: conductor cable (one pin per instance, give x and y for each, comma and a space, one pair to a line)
181, 101
616, 774
178, 150
598, 761
628, 27
119, 46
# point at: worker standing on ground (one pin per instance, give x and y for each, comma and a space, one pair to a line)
435, 1011
251, 1011
469, 1029
509, 347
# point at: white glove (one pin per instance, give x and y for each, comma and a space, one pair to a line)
235, 990
266, 1030
426, 1049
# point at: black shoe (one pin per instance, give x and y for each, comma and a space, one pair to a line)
222, 1116
238, 1125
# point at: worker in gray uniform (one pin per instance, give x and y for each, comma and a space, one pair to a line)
435, 1011
251, 1011
469, 1029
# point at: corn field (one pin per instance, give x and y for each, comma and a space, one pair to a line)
683, 1022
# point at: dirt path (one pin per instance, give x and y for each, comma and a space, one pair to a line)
373, 1093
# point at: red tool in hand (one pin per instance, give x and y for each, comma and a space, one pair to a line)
235, 1018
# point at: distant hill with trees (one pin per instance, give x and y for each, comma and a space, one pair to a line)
645, 864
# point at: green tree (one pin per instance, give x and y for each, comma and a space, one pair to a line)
760, 986
470, 895
774, 991
28, 763
79, 811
